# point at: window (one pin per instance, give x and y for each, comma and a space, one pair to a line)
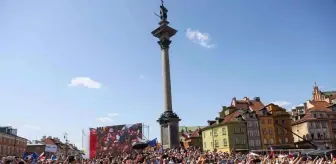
283, 122
276, 121
318, 125
236, 130
204, 144
264, 130
270, 131
286, 140
249, 124
279, 130
211, 144
269, 121
242, 141
250, 133
215, 132
280, 141
224, 131
237, 141
257, 142
262, 121
285, 131
265, 141
271, 141
242, 130
210, 133
251, 142
216, 143
224, 142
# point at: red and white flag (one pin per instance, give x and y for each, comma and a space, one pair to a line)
290, 155
272, 152
41, 157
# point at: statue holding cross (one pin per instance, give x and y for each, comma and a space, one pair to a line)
163, 12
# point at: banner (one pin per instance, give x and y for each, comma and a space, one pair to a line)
117, 138
93, 143
50, 148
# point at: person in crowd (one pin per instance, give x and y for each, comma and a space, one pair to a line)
191, 155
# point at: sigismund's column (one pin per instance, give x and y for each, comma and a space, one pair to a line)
169, 121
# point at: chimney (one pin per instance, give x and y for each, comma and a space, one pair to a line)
210, 122
233, 103
305, 107
257, 99
246, 98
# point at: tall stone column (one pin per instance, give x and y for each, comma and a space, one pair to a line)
169, 121
164, 44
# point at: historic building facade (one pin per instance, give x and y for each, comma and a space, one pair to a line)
327, 96
313, 125
251, 107
226, 133
10, 143
275, 127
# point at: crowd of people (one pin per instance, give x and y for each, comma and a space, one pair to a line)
190, 155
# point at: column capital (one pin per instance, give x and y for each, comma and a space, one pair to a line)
164, 43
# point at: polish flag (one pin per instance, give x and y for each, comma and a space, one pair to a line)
41, 157
272, 152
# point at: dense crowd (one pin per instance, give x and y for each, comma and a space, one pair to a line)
185, 156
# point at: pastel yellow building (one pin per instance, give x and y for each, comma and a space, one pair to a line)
226, 133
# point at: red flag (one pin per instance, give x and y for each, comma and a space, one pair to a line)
93, 143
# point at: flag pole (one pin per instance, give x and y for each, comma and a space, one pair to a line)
143, 129
82, 139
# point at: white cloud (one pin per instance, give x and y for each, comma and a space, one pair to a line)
113, 114
32, 127
105, 119
282, 103
86, 82
200, 38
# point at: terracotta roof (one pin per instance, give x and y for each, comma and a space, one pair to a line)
331, 105
320, 106
249, 104
195, 133
49, 141
231, 117
307, 117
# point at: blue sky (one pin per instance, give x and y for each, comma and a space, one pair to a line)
224, 48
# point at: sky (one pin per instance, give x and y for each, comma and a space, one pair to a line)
70, 65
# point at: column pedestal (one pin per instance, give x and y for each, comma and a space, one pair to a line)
169, 125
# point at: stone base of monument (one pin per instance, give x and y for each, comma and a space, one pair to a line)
169, 124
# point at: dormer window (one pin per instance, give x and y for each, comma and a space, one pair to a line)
264, 112
314, 115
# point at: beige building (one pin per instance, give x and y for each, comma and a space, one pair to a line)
311, 122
